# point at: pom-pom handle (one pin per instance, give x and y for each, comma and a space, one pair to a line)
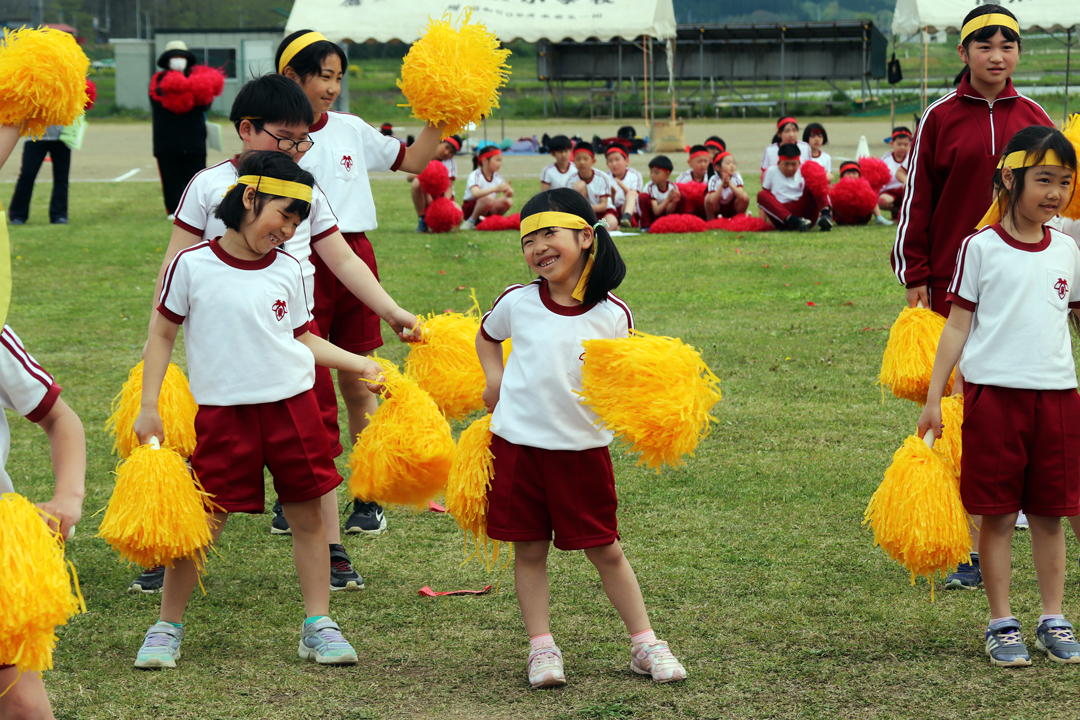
929, 438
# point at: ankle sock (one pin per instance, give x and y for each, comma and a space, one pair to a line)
181, 625
314, 618
996, 620
1044, 618
645, 636
541, 641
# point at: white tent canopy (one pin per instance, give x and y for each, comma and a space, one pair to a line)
529, 20
912, 16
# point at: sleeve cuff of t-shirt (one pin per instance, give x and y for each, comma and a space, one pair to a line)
170, 315
306, 327
484, 332
960, 302
184, 226
324, 234
400, 158
1074, 305
46, 404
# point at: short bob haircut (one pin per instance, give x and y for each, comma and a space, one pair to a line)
271, 99
815, 128
308, 62
1036, 140
266, 163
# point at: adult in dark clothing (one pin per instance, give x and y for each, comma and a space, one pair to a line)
34, 152
180, 95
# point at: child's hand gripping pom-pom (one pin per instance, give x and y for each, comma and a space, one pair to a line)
908, 361
176, 406
42, 80
949, 444
403, 456
917, 515
466, 491
817, 181
740, 223
853, 201
36, 590
158, 510
691, 198
677, 224
875, 172
452, 76
443, 215
435, 180
1072, 132
654, 392
444, 362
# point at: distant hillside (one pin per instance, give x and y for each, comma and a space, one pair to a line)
765, 11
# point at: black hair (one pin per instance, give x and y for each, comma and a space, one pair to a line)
697, 148
271, 99
308, 62
789, 150
1036, 140
716, 139
850, 165
608, 267
986, 33
457, 139
663, 162
560, 142
815, 128
582, 145
266, 163
902, 128
480, 151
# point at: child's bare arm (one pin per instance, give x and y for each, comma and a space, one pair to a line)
158, 351
9, 138
950, 347
67, 441
180, 239
421, 152
331, 356
601, 207
490, 354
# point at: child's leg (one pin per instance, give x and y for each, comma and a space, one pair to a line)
311, 554
531, 581
712, 205
419, 198
481, 208
182, 578
26, 699
621, 585
630, 206
742, 202
995, 560
1048, 551
359, 402
500, 206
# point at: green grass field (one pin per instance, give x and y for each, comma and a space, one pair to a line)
751, 558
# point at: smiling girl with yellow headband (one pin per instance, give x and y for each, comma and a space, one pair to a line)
1016, 284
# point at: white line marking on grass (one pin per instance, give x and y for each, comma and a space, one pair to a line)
125, 176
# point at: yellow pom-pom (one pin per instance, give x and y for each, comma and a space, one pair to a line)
453, 75
35, 591
1072, 132
445, 365
175, 405
917, 515
404, 454
467, 487
948, 445
507, 348
42, 80
908, 361
158, 510
654, 392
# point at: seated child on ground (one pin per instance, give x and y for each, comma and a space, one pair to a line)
715, 146
787, 132
659, 197
815, 136
851, 169
444, 153
726, 196
626, 183
786, 201
483, 188
559, 173
594, 185
892, 195
698, 161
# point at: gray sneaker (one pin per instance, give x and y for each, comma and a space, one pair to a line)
322, 642
1056, 639
1005, 646
161, 646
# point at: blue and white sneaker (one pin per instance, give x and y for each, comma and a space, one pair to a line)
1055, 638
968, 576
323, 642
161, 646
1005, 646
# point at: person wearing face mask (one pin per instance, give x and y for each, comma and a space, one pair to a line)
180, 95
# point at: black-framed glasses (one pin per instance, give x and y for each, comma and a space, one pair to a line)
286, 145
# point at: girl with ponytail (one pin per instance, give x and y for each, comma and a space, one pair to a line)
552, 470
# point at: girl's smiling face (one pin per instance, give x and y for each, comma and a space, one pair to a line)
323, 89
991, 61
270, 228
1047, 189
557, 254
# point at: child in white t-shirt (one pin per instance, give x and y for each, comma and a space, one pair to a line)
787, 132
560, 173
594, 186
726, 196
626, 183
891, 196
815, 136
444, 153
552, 469
483, 188
786, 201
660, 196
699, 161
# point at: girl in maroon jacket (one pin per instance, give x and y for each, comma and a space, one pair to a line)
966, 130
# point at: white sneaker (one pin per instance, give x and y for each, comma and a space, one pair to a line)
1021, 521
170, 218
882, 220
545, 667
468, 225
655, 659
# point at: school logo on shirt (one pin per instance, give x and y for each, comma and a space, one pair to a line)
1062, 287
279, 310
346, 161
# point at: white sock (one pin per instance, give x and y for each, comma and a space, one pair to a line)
1044, 618
541, 641
1007, 617
645, 636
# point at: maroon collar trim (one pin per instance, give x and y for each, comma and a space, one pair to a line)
965, 89
264, 262
320, 123
1026, 247
565, 310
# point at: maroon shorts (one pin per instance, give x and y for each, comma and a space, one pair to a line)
807, 206
469, 205
727, 209
235, 442
897, 195
326, 396
1021, 451
343, 319
536, 492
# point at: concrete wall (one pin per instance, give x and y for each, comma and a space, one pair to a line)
134, 66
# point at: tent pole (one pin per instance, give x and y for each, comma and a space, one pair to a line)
671, 72
925, 60
701, 69
620, 78
1068, 58
645, 79
783, 75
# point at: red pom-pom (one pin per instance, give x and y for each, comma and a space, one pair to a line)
443, 215
206, 83
692, 198
91, 93
516, 219
497, 222
853, 201
435, 180
677, 224
875, 172
173, 91
740, 223
816, 180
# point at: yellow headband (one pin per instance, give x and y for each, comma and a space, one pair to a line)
985, 21
276, 186
571, 222
299, 44
1015, 161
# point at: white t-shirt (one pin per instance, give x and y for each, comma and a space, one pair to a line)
893, 183
598, 188
654, 192
824, 160
556, 179
25, 388
632, 180
240, 318
204, 193
727, 193
772, 155
346, 149
537, 405
477, 179
1020, 294
786, 189
687, 175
